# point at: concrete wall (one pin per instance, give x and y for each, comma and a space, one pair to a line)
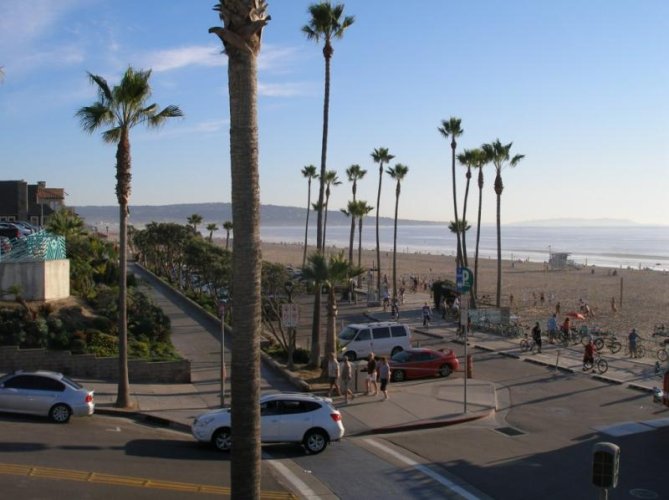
41, 280
88, 366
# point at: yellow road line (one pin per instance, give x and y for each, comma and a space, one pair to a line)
135, 482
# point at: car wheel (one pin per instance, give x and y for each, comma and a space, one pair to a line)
315, 441
444, 371
222, 439
350, 355
395, 350
398, 376
60, 413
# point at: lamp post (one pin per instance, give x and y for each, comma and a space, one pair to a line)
222, 303
288, 287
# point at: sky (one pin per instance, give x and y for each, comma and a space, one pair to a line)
580, 88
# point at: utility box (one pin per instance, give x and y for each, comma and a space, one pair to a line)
605, 465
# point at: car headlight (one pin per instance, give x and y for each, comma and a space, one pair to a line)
205, 420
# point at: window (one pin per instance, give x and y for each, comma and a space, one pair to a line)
269, 408
398, 331
381, 333
364, 335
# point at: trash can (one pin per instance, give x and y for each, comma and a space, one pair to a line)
360, 377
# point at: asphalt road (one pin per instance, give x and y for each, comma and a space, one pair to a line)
540, 445
103, 457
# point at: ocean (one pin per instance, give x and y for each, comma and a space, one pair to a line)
638, 247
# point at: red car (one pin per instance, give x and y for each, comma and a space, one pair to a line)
421, 362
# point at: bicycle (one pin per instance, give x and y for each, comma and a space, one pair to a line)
640, 351
597, 363
527, 344
662, 353
608, 341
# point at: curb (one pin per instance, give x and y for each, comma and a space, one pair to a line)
427, 424
144, 418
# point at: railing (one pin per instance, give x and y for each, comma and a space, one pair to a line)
38, 246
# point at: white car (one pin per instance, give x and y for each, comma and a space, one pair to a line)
45, 393
284, 417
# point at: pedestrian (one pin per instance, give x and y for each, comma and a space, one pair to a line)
371, 375
386, 300
614, 309
557, 307
384, 376
394, 309
633, 338
333, 374
536, 336
552, 327
427, 315
346, 377
542, 298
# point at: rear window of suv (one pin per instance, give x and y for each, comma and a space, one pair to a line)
398, 331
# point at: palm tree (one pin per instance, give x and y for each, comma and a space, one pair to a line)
227, 225
361, 210
452, 129
397, 172
331, 179
211, 228
500, 155
310, 173
354, 173
349, 211
480, 159
243, 22
326, 23
380, 156
121, 108
329, 273
194, 220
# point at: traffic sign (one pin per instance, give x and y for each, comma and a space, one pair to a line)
289, 315
464, 279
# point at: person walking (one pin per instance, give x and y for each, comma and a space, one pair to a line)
371, 375
346, 377
633, 339
384, 376
552, 327
536, 336
333, 374
427, 315
394, 310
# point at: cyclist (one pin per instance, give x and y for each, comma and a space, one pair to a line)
589, 355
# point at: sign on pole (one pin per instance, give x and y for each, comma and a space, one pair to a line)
289, 315
464, 279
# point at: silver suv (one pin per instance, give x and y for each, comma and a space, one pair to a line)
44, 393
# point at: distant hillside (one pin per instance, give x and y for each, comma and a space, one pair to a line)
270, 215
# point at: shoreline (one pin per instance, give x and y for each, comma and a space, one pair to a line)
641, 296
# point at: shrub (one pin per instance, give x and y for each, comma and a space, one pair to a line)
101, 344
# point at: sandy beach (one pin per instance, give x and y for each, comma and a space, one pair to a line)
641, 296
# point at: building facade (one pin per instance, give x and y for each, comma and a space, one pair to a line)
20, 201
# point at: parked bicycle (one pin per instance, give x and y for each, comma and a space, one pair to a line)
662, 353
610, 342
598, 363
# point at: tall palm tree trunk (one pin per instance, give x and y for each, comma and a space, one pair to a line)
498, 191
320, 236
378, 244
464, 219
306, 227
478, 234
123, 176
455, 205
351, 240
246, 265
397, 204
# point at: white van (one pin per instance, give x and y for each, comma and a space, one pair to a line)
357, 340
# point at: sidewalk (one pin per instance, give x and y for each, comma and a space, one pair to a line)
412, 405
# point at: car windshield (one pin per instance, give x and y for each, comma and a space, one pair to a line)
348, 334
401, 357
